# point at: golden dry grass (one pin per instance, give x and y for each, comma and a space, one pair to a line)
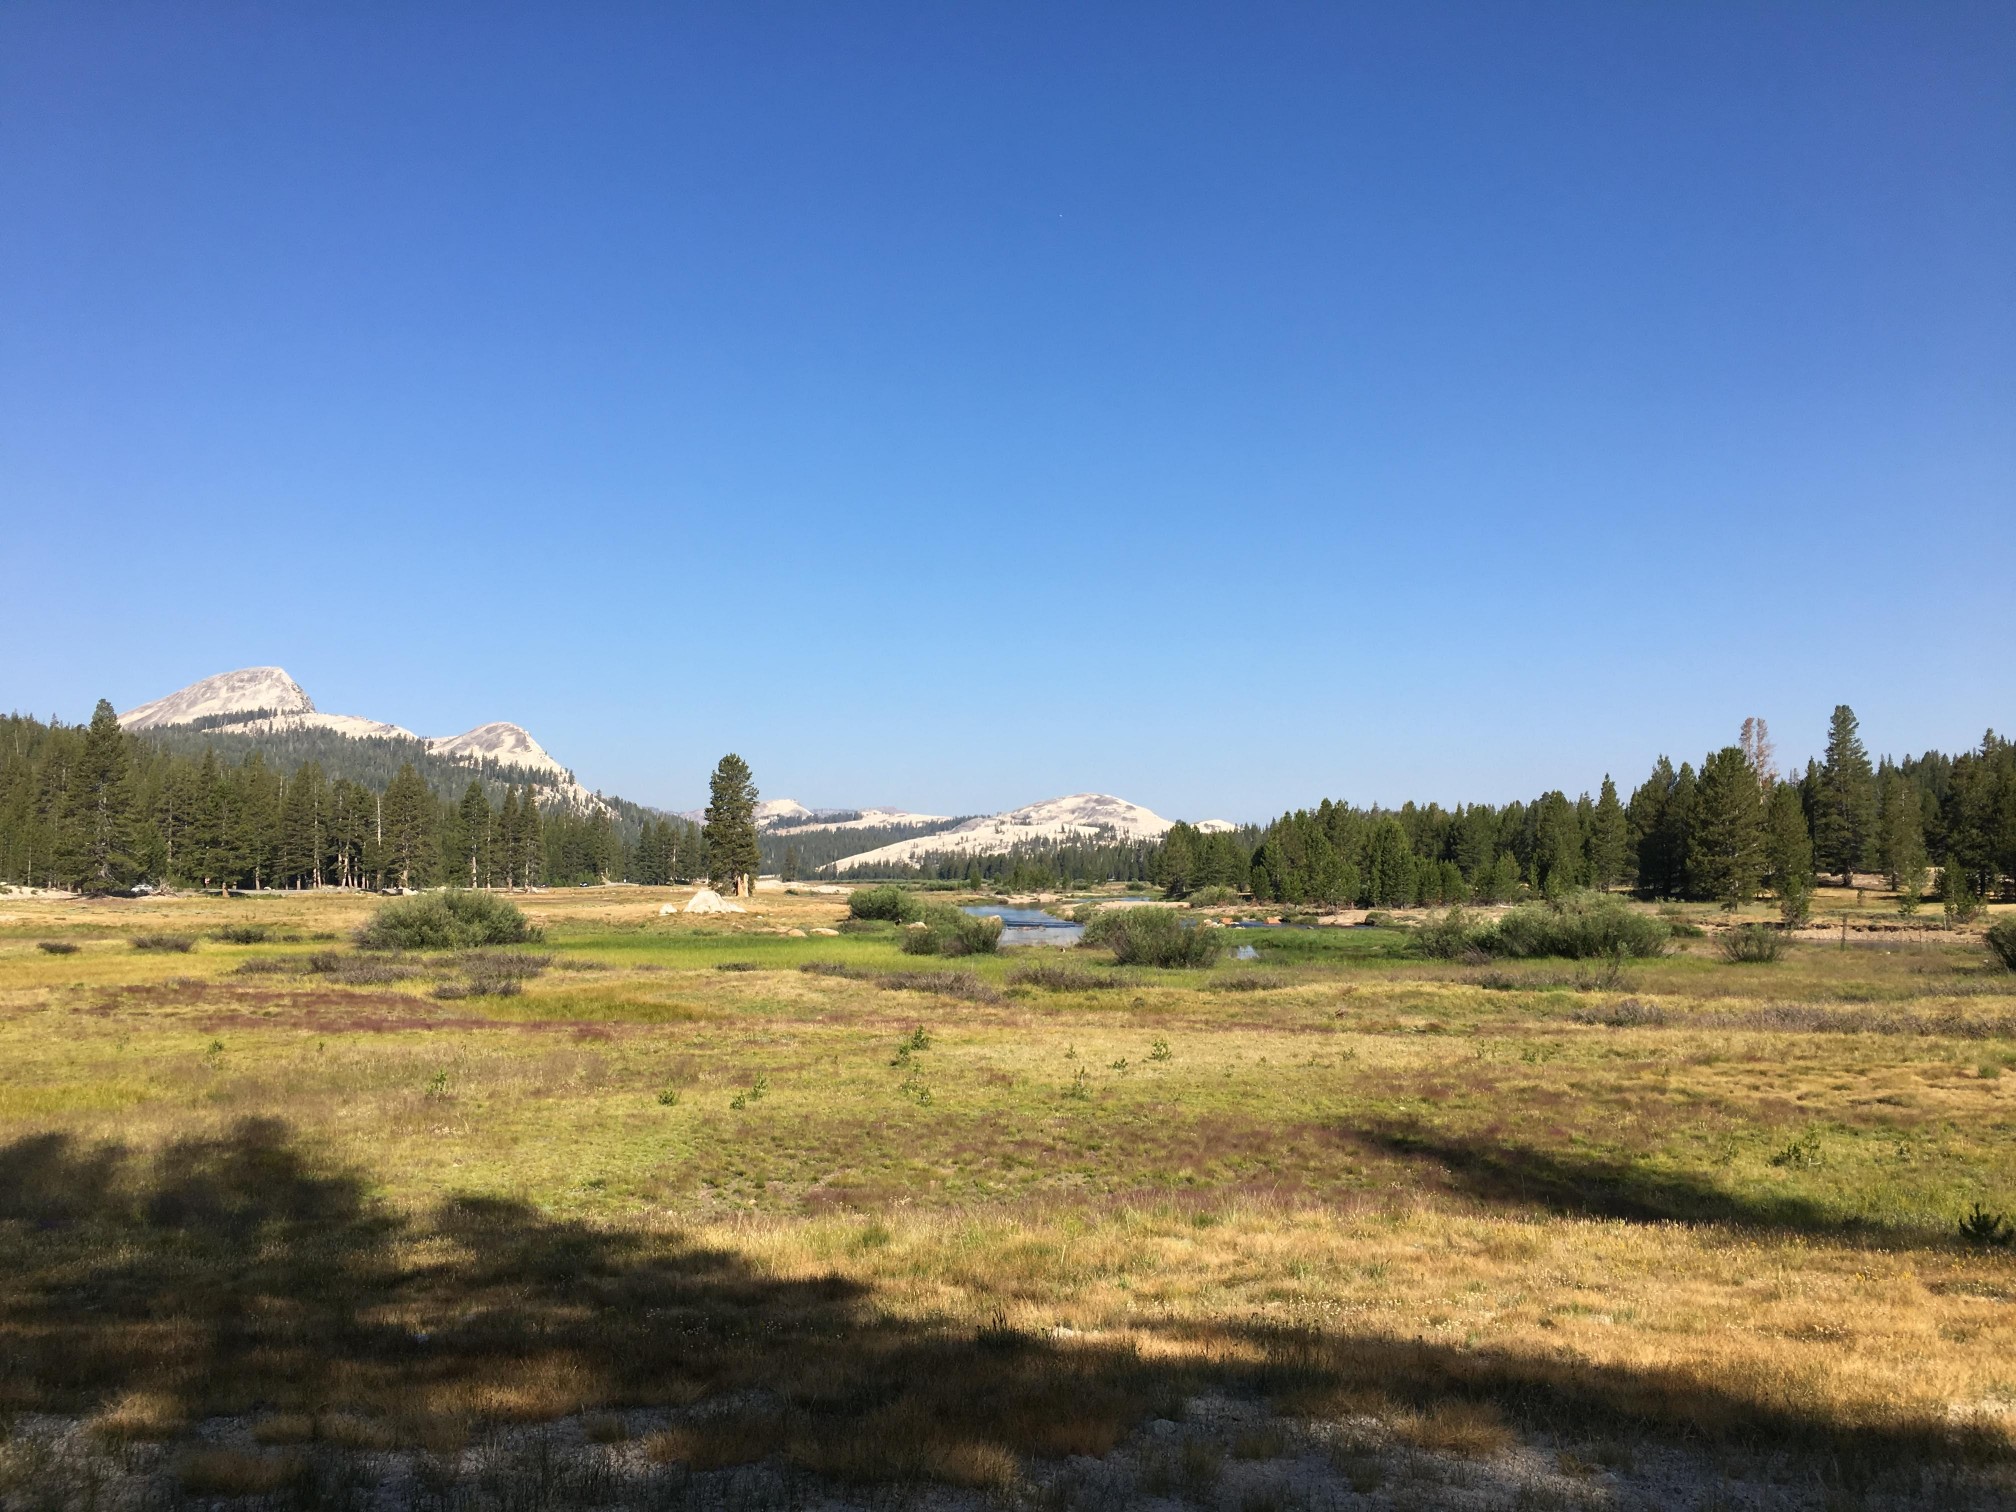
1355, 1188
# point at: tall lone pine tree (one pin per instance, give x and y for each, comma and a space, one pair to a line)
732, 854
1844, 808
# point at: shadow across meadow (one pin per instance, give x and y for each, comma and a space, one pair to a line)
1498, 1173
241, 1275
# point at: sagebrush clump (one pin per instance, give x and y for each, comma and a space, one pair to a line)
1580, 927
891, 903
1155, 937
1752, 944
2002, 940
456, 919
944, 931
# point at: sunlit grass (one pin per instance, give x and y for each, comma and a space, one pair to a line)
1677, 1195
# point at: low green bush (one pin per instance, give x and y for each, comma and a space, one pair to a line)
1447, 936
892, 903
1154, 937
2002, 940
56, 947
1579, 926
944, 931
242, 934
1214, 897
456, 919
1750, 944
182, 944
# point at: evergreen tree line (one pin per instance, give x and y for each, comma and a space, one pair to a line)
807, 850
1723, 832
1036, 865
97, 808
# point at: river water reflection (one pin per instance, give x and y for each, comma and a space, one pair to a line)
1029, 926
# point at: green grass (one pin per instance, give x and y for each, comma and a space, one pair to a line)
1746, 1201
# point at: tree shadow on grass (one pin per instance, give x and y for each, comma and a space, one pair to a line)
1576, 1184
240, 1274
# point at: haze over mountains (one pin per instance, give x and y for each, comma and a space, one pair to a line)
256, 701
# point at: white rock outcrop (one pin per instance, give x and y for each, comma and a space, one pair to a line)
708, 901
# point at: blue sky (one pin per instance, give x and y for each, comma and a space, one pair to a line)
1224, 406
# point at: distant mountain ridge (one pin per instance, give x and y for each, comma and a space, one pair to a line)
1081, 818
256, 701
267, 708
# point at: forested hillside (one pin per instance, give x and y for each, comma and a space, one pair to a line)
804, 849
98, 808
370, 760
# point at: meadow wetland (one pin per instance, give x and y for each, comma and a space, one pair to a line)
759, 1210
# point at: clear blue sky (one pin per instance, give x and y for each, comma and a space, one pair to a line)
954, 405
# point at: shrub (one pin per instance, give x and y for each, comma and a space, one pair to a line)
1447, 937
1795, 902
1057, 976
56, 947
2001, 940
1626, 1013
947, 931
891, 903
364, 971
1214, 897
179, 943
453, 920
1578, 926
957, 984
1154, 937
1251, 981
1986, 1228
1750, 944
242, 934
494, 973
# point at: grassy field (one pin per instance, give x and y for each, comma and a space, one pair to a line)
708, 1212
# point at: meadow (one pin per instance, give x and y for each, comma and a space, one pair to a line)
684, 1211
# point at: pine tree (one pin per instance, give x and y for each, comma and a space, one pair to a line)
531, 840
1844, 816
1957, 892
1901, 837
1388, 880
507, 838
99, 805
733, 856
1646, 817
1609, 839
473, 822
411, 818
1557, 846
303, 827
789, 871
1725, 844
1788, 853
210, 829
